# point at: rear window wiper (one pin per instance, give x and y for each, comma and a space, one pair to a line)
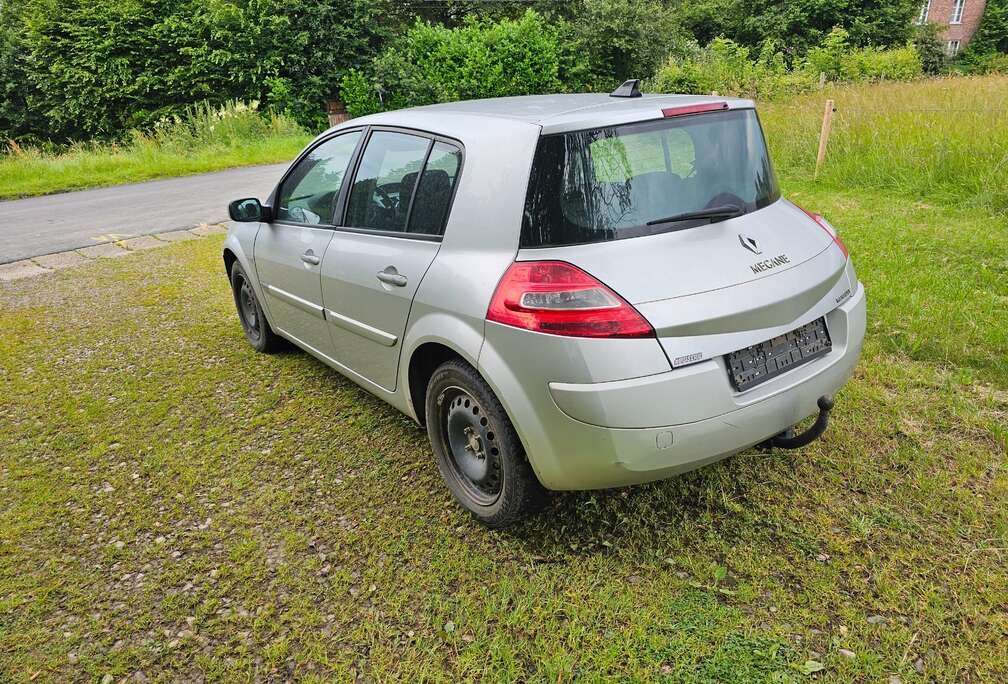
722, 212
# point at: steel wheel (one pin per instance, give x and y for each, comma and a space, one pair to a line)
247, 306
472, 442
477, 450
253, 321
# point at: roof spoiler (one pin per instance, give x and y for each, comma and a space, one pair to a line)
629, 88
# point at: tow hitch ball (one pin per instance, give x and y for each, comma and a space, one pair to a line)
789, 440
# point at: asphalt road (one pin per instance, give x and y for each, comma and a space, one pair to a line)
57, 223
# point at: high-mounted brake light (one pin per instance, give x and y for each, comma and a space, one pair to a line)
825, 225
694, 109
558, 298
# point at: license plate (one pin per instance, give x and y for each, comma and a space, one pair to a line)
756, 364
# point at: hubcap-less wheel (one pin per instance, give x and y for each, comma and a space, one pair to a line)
247, 307
475, 456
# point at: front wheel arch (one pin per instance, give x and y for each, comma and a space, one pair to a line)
229, 261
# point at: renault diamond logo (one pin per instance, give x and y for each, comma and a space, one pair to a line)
750, 243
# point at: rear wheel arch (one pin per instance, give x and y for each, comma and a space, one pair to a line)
424, 360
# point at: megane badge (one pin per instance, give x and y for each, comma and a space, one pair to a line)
750, 243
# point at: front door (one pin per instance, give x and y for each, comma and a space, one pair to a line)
289, 251
396, 213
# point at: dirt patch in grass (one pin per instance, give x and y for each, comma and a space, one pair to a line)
174, 504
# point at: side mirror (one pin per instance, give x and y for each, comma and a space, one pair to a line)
248, 209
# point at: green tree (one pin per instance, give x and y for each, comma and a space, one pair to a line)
19, 115
798, 25
609, 41
991, 37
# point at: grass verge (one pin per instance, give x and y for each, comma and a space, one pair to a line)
207, 139
172, 503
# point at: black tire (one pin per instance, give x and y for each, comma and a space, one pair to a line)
250, 313
477, 449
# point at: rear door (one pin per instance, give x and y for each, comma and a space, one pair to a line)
289, 250
395, 216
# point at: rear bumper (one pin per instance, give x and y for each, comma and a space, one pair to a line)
603, 434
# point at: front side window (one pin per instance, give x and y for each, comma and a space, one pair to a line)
632, 180
386, 178
957, 11
435, 189
309, 193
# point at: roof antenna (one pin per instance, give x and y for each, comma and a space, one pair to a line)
629, 88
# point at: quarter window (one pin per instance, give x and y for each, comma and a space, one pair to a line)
386, 178
957, 11
435, 189
310, 191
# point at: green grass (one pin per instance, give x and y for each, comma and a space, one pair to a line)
206, 140
936, 140
301, 527
173, 503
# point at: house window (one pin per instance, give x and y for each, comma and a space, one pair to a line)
952, 48
957, 12
925, 8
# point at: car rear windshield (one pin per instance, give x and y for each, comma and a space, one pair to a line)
610, 183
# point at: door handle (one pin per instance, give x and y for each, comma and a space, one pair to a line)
391, 276
310, 258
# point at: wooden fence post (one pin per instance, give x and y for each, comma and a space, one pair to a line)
827, 121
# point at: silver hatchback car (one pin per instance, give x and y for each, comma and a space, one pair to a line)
569, 291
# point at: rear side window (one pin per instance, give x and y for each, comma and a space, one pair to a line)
434, 192
611, 183
385, 181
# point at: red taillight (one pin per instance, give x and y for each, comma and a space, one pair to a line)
694, 109
558, 298
825, 225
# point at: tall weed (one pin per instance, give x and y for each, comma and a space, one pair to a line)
942, 140
726, 67
205, 138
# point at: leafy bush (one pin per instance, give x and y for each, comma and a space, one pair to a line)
840, 62
827, 58
433, 63
996, 63
609, 41
358, 94
929, 46
728, 68
102, 67
20, 118
872, 64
